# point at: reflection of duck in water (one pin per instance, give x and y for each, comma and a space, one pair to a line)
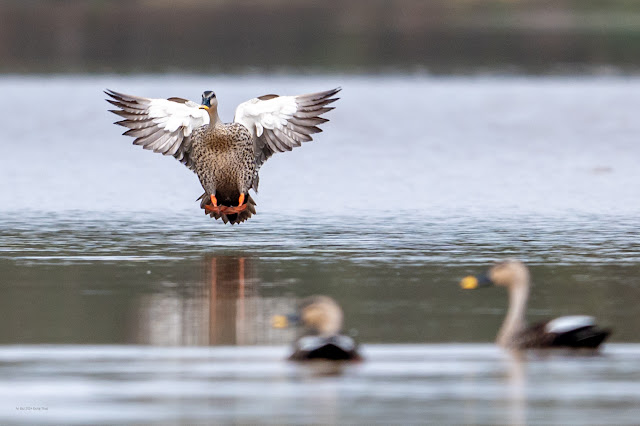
321, 318
569, 332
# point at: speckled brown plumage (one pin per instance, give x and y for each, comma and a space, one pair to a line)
224, 161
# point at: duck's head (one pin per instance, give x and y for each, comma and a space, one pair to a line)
508, 273
209, 100
319, 315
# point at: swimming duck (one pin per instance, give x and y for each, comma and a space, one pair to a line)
579, 331
225, 156
321, 317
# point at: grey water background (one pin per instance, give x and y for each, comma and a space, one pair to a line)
122, 303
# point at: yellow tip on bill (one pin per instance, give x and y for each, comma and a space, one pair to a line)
279, 321
203, 107
469, 283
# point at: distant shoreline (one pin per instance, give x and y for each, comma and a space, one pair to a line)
329, 36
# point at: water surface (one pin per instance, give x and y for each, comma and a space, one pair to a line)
122, 302
408, 384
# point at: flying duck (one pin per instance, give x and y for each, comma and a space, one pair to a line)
321, 319
577, 331
225, 156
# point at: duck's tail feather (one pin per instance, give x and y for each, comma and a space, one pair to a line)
585, 337
205, 199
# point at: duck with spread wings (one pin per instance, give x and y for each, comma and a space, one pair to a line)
225, 156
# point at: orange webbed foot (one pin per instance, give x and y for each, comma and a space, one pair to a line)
214, 206
215, 209
236, 209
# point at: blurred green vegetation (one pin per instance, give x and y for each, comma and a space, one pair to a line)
111, 301
441, 36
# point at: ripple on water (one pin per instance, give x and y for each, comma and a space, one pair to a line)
125, 237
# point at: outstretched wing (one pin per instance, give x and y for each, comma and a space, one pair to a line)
280, 123
162, 125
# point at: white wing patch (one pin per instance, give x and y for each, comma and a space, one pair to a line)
170, 116
162, 125
281, 123
345, 343
310, 343
257, 115
569, 323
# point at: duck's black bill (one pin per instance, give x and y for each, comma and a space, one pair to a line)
473, 282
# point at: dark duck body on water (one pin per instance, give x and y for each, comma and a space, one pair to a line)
576, 331
321, 320
225, 156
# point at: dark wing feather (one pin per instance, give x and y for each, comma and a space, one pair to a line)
537, 336
162, 125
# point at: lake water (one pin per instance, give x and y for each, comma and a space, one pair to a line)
123, 303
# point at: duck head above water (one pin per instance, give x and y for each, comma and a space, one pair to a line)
209, 99
508, 273
210, 103
514, 276
319, 315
